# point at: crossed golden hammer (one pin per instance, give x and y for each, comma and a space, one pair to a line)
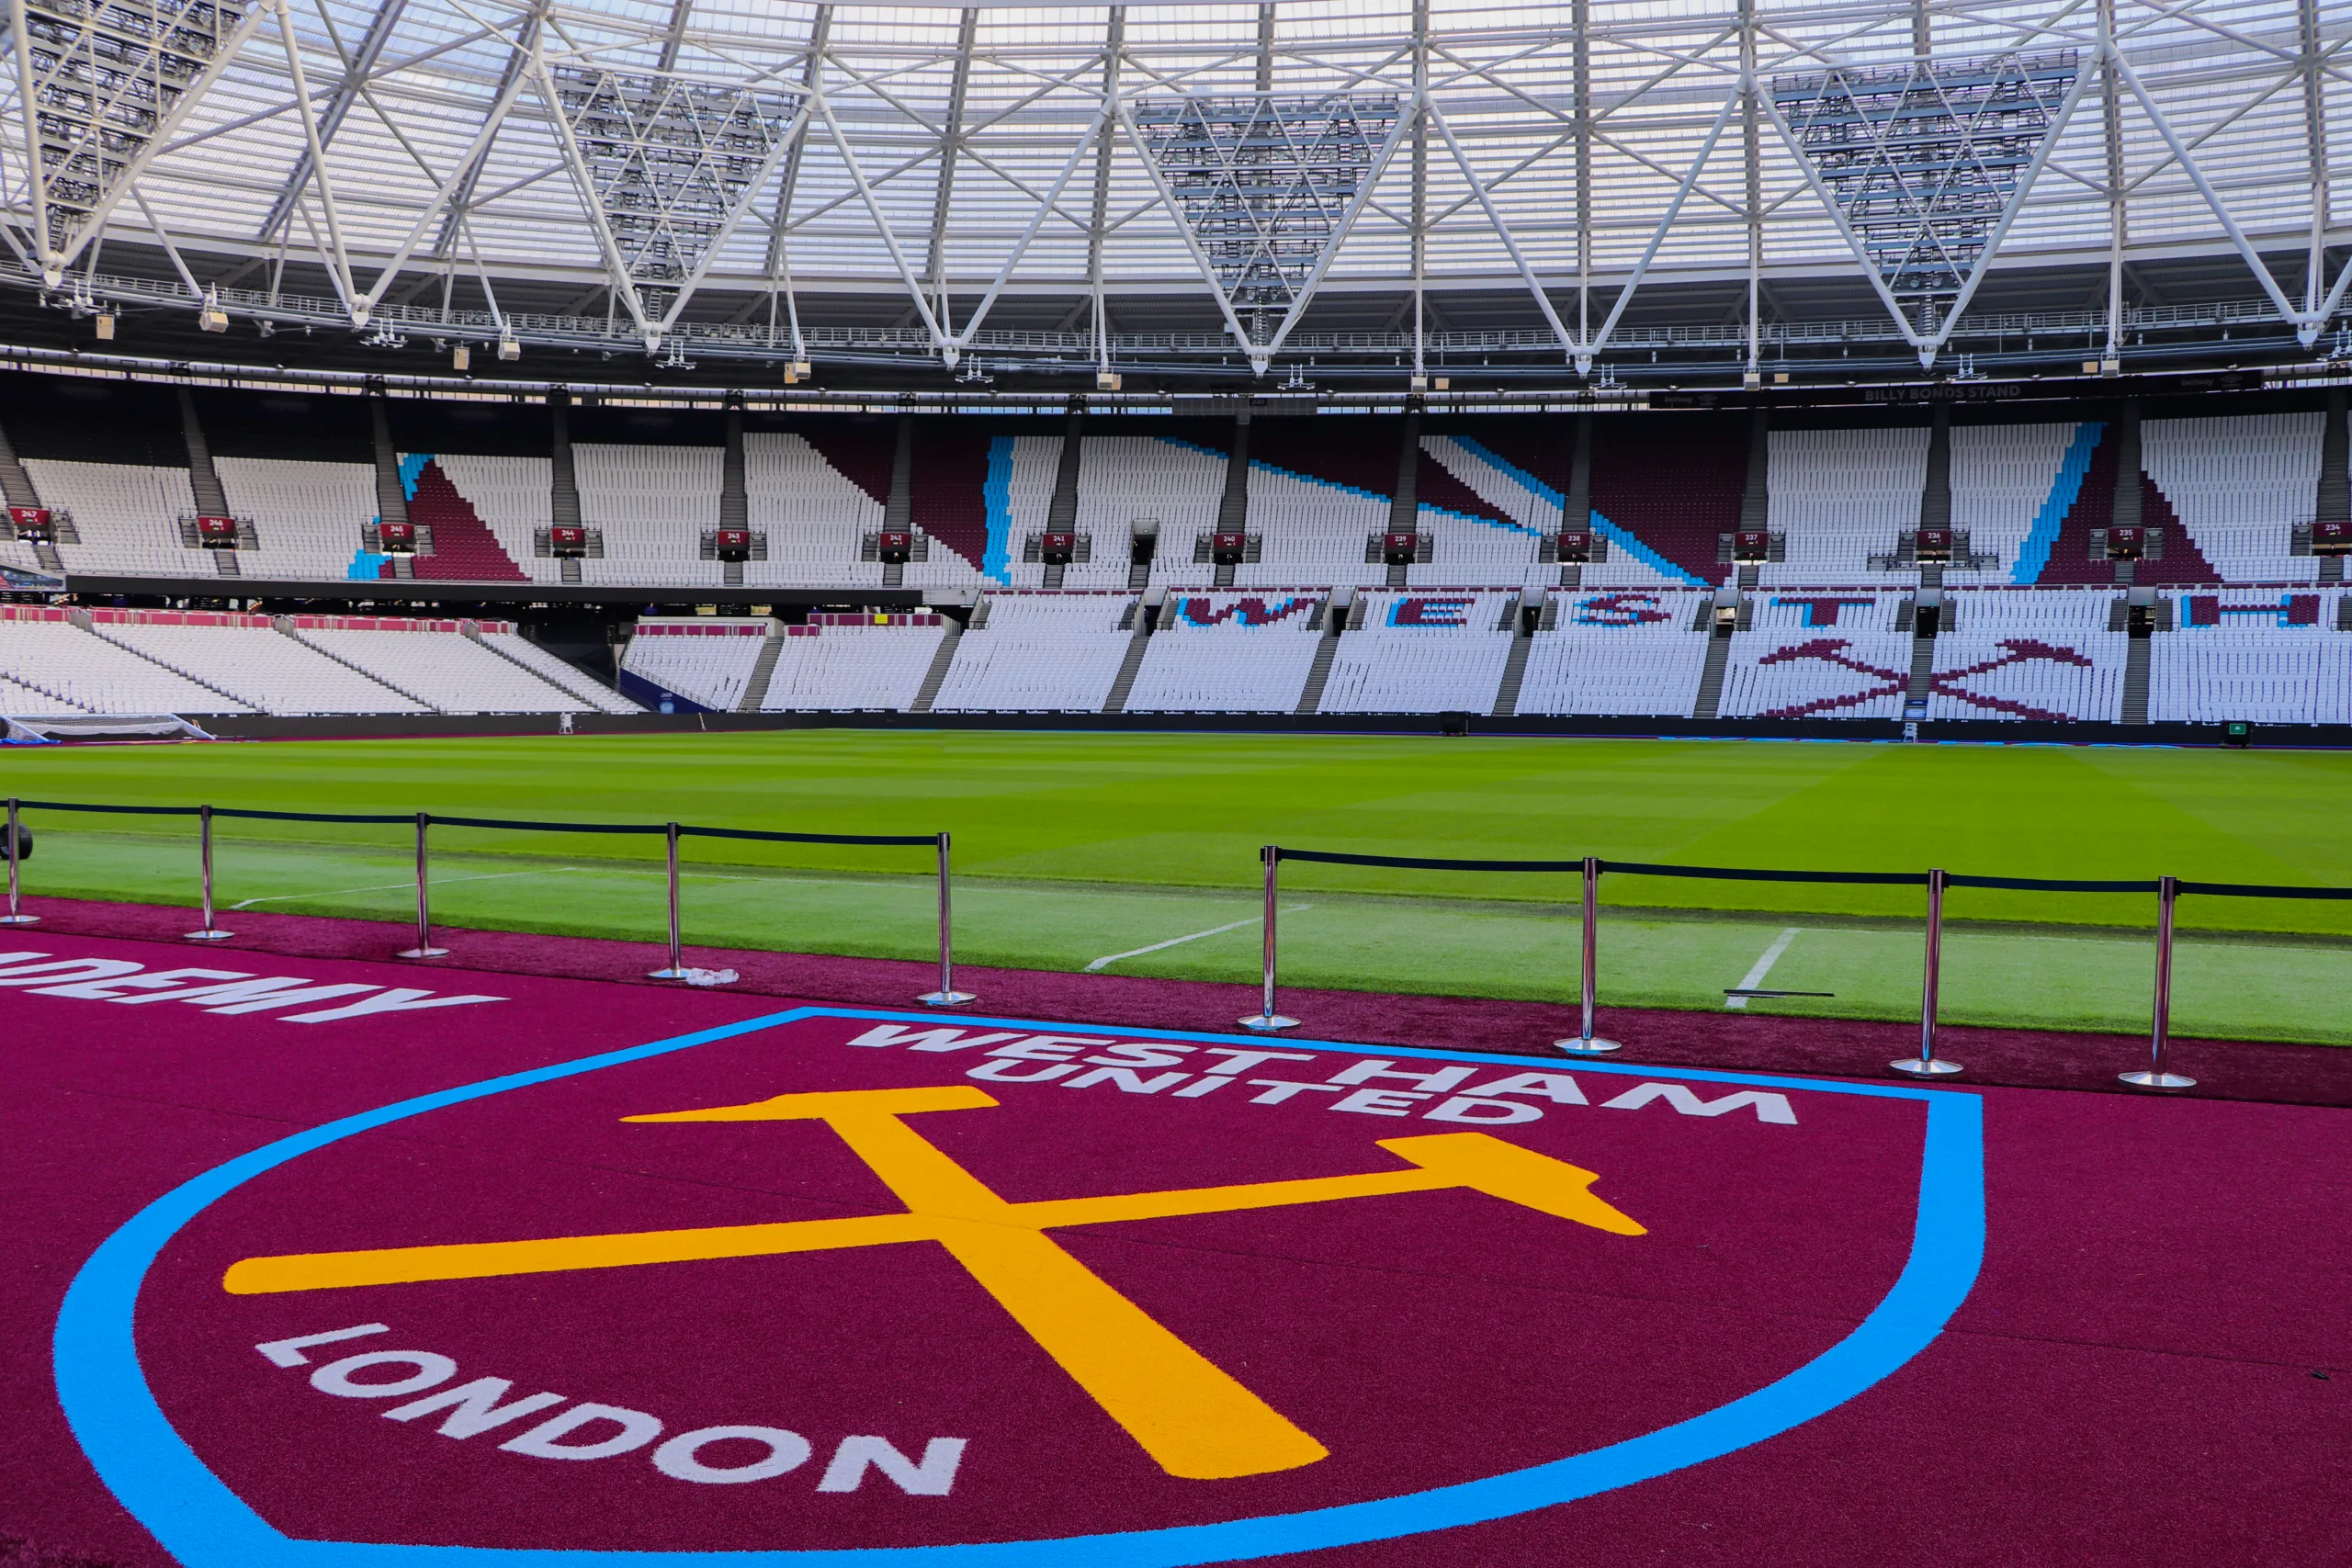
1186, 1412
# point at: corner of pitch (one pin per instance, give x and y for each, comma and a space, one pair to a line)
1195, 1420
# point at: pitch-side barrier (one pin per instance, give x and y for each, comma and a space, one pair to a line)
1928, 1063
670, 832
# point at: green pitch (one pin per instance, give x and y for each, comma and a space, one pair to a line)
1137, 854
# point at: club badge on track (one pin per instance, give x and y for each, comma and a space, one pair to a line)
835, 1283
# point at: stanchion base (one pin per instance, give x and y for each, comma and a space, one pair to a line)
946, 999
209, 935
663, 974
1267, 1022
1920, 1067
2156, 1080
422, 953
19, 920
1580, 1046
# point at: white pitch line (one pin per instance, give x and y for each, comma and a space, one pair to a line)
384, 887
1763, 966
1180, 941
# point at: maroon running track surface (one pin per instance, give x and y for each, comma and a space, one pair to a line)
2148, 1371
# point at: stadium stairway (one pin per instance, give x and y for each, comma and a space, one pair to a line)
2333, 501
1332, 614
734, 496
941, 661
1233, 506
755, 689
203, 479
1133, 663
1923, 666
563, 477
2139, 654
391, 490
1523, 643
1710, 679
14, 482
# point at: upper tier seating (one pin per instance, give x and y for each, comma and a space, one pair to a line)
2239, 485
1039, 653
652, 504
815, 517
1123, 479
1024, 469
843, 662
1488, 553
709, 663
1628, 651
307, 516
246, 656
1228, 653
128, 519
1421, 652
595, 695
61, 660
1312, 531
1840, 496
2011, 483
512, 498
452, 673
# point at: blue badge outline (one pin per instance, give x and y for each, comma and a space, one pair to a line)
199, 1521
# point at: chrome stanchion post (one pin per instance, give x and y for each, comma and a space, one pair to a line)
677, 968
1586, 1044
15, 916
948, 996
2160, 1032
204, 854
1265, 1021
423, 948
1927, 1064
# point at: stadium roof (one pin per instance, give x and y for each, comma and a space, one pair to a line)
1195, 192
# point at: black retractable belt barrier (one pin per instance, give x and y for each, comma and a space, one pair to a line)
1928, 1063
16, 916
672, 832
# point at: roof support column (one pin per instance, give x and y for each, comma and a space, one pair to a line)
1115, 38
951, 141
1583, 68
2112, 125
1421, 220
1751, 145
2315, 133
779, 260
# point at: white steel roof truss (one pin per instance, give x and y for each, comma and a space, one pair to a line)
1928, 344
657, 139
139, 98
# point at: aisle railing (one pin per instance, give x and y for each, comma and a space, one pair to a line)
1928, 1063
670, 832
